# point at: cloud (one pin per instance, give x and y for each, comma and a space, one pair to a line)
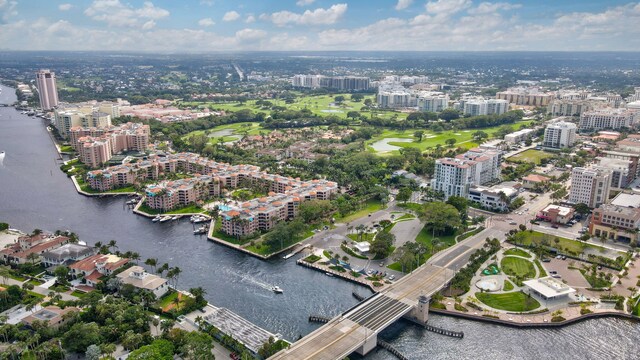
447, 7
487, 7
149, 25
304, 2
65, 7
250, 34
117, 14
8, 10
231, 16
206, 22
318, 16
403, 4
250, 19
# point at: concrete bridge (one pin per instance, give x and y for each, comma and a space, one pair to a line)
356, 329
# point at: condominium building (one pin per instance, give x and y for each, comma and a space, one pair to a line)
519, 136
633, 158
433, 102
96, 146
496, 198
454, 176
168, 195
606, 119
347, 83
623, 172
618, 220
87, 114
573, 107
94, 152
47, 91
590, 186
395, 96
559, 135
525, 96
485, 107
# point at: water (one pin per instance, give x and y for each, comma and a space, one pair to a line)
34, 193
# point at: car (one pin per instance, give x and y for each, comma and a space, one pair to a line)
545, 260
564, 257
554, 226
599, 267
559, 257
513, 223
553, 272
556, 276
392, 277
369, 215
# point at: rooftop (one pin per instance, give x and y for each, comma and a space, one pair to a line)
549, 287
627, 200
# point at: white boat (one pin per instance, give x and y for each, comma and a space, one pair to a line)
165, 219
276, 289
157, 218
329, 274
201, 230
175, 217
132, 202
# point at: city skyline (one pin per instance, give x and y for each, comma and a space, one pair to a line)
208, 25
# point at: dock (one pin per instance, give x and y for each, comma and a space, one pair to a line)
295, 251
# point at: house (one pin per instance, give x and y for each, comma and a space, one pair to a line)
30, 248
52, 315
94, 267
140, 279
66, 254
530, 181
497, 198
556, 214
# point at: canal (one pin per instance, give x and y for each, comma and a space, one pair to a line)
34, 193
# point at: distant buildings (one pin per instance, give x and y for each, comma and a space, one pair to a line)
395, 96
433, 102
346, 83
88, 114
525, 96
519, 136
454, 176
559, 135
606, 119
47, 91
590, 186
618, 220
572, 107
485, 107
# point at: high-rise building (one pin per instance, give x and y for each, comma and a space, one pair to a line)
476, 167
590, 186
622, 171
525, 96
348, 83
485, 107
433, 102
559, 135
47, 91
572, 107
606, 119
89, 114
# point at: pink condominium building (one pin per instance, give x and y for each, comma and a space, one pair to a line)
210, 180
95, 146
47, 92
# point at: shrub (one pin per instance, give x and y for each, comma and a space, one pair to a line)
4, 226
437, 305
312, 258
377, 284
557, 318
460, 307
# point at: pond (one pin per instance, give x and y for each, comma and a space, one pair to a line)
383, 145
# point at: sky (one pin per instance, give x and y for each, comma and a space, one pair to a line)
285, 25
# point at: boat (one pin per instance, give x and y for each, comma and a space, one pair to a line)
175, 217
165, 219
276, 289
329, 274
157, 218
201, 230
132, 202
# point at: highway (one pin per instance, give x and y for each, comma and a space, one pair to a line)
346, 333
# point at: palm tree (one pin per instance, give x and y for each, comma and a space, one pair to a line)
166, 325
97, 245
112, 244
135, 256
152, 262
164, 267
5, 272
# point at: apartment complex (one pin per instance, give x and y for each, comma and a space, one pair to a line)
454, 176
559, 135
525, 96
590, 186
433, 102
519, 136
485, 107
618, 220
96, 146
87, 114
572, 107
47, 91
285, 193
347, 83
606, 119
623, 172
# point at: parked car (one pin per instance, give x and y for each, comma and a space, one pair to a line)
392, 277
564, 257
545, 260
556, 276
553, 272
554, 226
559, 257
513, 223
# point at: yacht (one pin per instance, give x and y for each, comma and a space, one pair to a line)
175, 217
276, 289
165, 219
201, 230
157, 218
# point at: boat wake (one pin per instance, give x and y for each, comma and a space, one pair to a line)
258, 283
1, 158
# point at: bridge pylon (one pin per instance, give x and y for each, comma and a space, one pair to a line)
420, 312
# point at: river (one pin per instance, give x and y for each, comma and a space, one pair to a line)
34, 193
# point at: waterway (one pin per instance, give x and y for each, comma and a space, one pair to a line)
34, 193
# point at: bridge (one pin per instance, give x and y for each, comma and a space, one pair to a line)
356, 329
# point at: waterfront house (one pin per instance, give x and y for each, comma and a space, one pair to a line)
140, 279
93, 268
66, 254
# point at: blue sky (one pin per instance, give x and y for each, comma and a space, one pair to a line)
215, 25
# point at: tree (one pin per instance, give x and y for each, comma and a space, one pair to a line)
353, 114
418, 135
197, 345
112, 245
449, 114
404, 194
381, 245
479, 136
80, 336
368, 102
581, 208
152, 262
33, 257
357, 97
160, 349
93, 352
338, 99
61, 273
450, 142
461, 204
440, 216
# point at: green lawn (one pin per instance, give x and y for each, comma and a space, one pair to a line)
230, 132
518, 267
411, 206
542, 272
86, 188
184, 210
369, 207
508, 286
595, 281
426, 238
513, 301
78, 293
517, 252
530, 156
536, 237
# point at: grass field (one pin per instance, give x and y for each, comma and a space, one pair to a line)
536, 237
191, 209
369, 207
231, 132
517, 252
425, 237
513, 301
518, 267
508, 286
530, 155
